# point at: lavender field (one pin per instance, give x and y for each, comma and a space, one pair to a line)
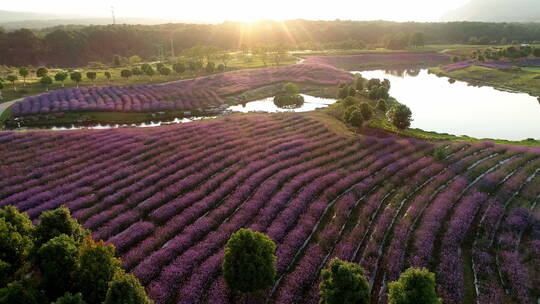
180, 95
169, 198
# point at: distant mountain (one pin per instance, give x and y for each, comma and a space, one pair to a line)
497, 11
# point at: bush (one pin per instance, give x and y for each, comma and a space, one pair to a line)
344, 283
400, 116
21, 293
413, 286
69, 298
289, 101
97, 267
353, 116
249, 263
381, 105
56, 222
366, 110
349, 101
291, 88
57, 260
126, 289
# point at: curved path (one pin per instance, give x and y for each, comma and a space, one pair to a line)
7, 104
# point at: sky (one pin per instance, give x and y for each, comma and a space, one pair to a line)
245, 10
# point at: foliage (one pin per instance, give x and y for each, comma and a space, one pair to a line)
439, 153
249, 263
60, 76
57, 260
126, 289
344, 283
415, 286
165, 71
46, 81
21, 292
54, 223
91, 75
126, 73
381, 105
291, 88
179, 68
289, 101
97, 266
353, 116
400, 116
69, 298
76, 77
42, 71
366, 110
15, 241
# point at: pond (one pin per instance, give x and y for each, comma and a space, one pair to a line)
460, 109
267, 105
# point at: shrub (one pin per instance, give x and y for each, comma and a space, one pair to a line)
354, 117
56, 222
349, 101
413, 286
126, 289
291, 88
57, 260
69, 298
400, 116
344, 283
249, 263
366, 110
381, 105
97, 267
439, 153
21, 292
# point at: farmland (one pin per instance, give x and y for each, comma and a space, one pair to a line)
169, 198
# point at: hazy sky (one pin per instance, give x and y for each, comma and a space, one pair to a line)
246, 10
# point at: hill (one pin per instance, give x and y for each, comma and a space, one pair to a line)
497, 11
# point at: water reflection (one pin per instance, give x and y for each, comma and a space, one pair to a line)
267, 105
457, 108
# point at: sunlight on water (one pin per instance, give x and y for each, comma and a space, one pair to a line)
267, 105
481, 112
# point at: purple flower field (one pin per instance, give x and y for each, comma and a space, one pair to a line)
169, 198
179, 95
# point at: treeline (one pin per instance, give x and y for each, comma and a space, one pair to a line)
77, 45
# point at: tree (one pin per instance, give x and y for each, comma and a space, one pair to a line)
416, 40
179, 68
55, 222
69, 298
210, 67
225, 58
76, 77
57, 260
126, 289
61, 77
21, 292
145, 66
92, 76
353, 116
97, 267
136, 71
42, 71
344, 283
149, 72
381, 105
536, 52
414, 286
134, 59
24, 73
165, 71
108, 75
291, 88
46, 81
12, 79
15, 241
126, 73
400, 116
249, 263
366, 110
221, 67
117, 60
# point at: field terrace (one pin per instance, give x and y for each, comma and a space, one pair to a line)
180, 95
169, 198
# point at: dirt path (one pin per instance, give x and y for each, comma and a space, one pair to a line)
5, 105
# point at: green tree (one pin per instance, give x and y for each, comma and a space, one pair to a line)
536, 52
415, 286
291, 88
97, 267
165, 71
136, 71
61, 77
12, 79
210, 67
416, 40
150, 72
221, 67
108, 75
344, 283
179, 68
117, 60
126, 289
134, 59
15, 241
381, 105
366, 110
145, 66
46, 81
401, 116
76, 77
92, 76
21, 292
249, 263
24, 73
55, 222
42, 71
69, 298
353, 116
126, 73
225, 58
57, 260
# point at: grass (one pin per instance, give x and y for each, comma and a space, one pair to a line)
523, 80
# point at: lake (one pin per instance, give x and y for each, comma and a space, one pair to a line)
267, 105
460, 109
